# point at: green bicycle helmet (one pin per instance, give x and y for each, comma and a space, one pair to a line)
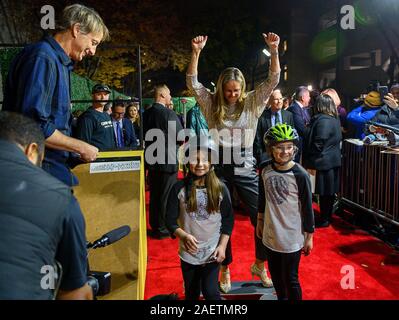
281, 132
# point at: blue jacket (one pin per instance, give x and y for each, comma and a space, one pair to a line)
301, 118
38, 85
359, 116
129, 135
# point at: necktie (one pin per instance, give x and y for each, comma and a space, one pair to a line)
277, 118
305, 116
119, 135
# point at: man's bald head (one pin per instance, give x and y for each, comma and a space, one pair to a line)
162, 94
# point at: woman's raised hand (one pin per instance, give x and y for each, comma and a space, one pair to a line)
198, 43
272, 40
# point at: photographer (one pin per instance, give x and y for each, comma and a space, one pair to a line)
41, 224
389, 113
365, 112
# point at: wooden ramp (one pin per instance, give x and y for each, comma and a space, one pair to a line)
111, 194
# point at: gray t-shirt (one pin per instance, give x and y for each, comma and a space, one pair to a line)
285, 198
204, 226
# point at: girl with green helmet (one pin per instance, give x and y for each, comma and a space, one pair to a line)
279, 134
285, 219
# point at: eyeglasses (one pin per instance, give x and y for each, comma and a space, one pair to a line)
283, 149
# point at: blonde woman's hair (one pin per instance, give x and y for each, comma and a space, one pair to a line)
220, 102
88, 19
334, 95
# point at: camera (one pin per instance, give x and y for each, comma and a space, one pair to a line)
100, 282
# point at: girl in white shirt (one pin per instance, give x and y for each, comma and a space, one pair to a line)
199, 213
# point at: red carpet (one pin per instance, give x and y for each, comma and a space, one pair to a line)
375, 265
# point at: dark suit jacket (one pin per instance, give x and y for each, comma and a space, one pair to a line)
157, 117
129, 136
264, 124
299, 121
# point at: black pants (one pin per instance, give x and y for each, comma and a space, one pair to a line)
199, 278
247, 189
160, 184
283, 268
326, 207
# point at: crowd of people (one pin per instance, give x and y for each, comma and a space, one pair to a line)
312, 125
274, 145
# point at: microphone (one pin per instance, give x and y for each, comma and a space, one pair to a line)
110, 237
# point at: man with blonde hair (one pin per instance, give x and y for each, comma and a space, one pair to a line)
38, 85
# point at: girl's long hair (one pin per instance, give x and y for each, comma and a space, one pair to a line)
219, 100
213, 190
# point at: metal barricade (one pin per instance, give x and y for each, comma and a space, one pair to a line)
370, 180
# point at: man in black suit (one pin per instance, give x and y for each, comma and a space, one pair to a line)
301, 114
162, 164
125, 136
269, 118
